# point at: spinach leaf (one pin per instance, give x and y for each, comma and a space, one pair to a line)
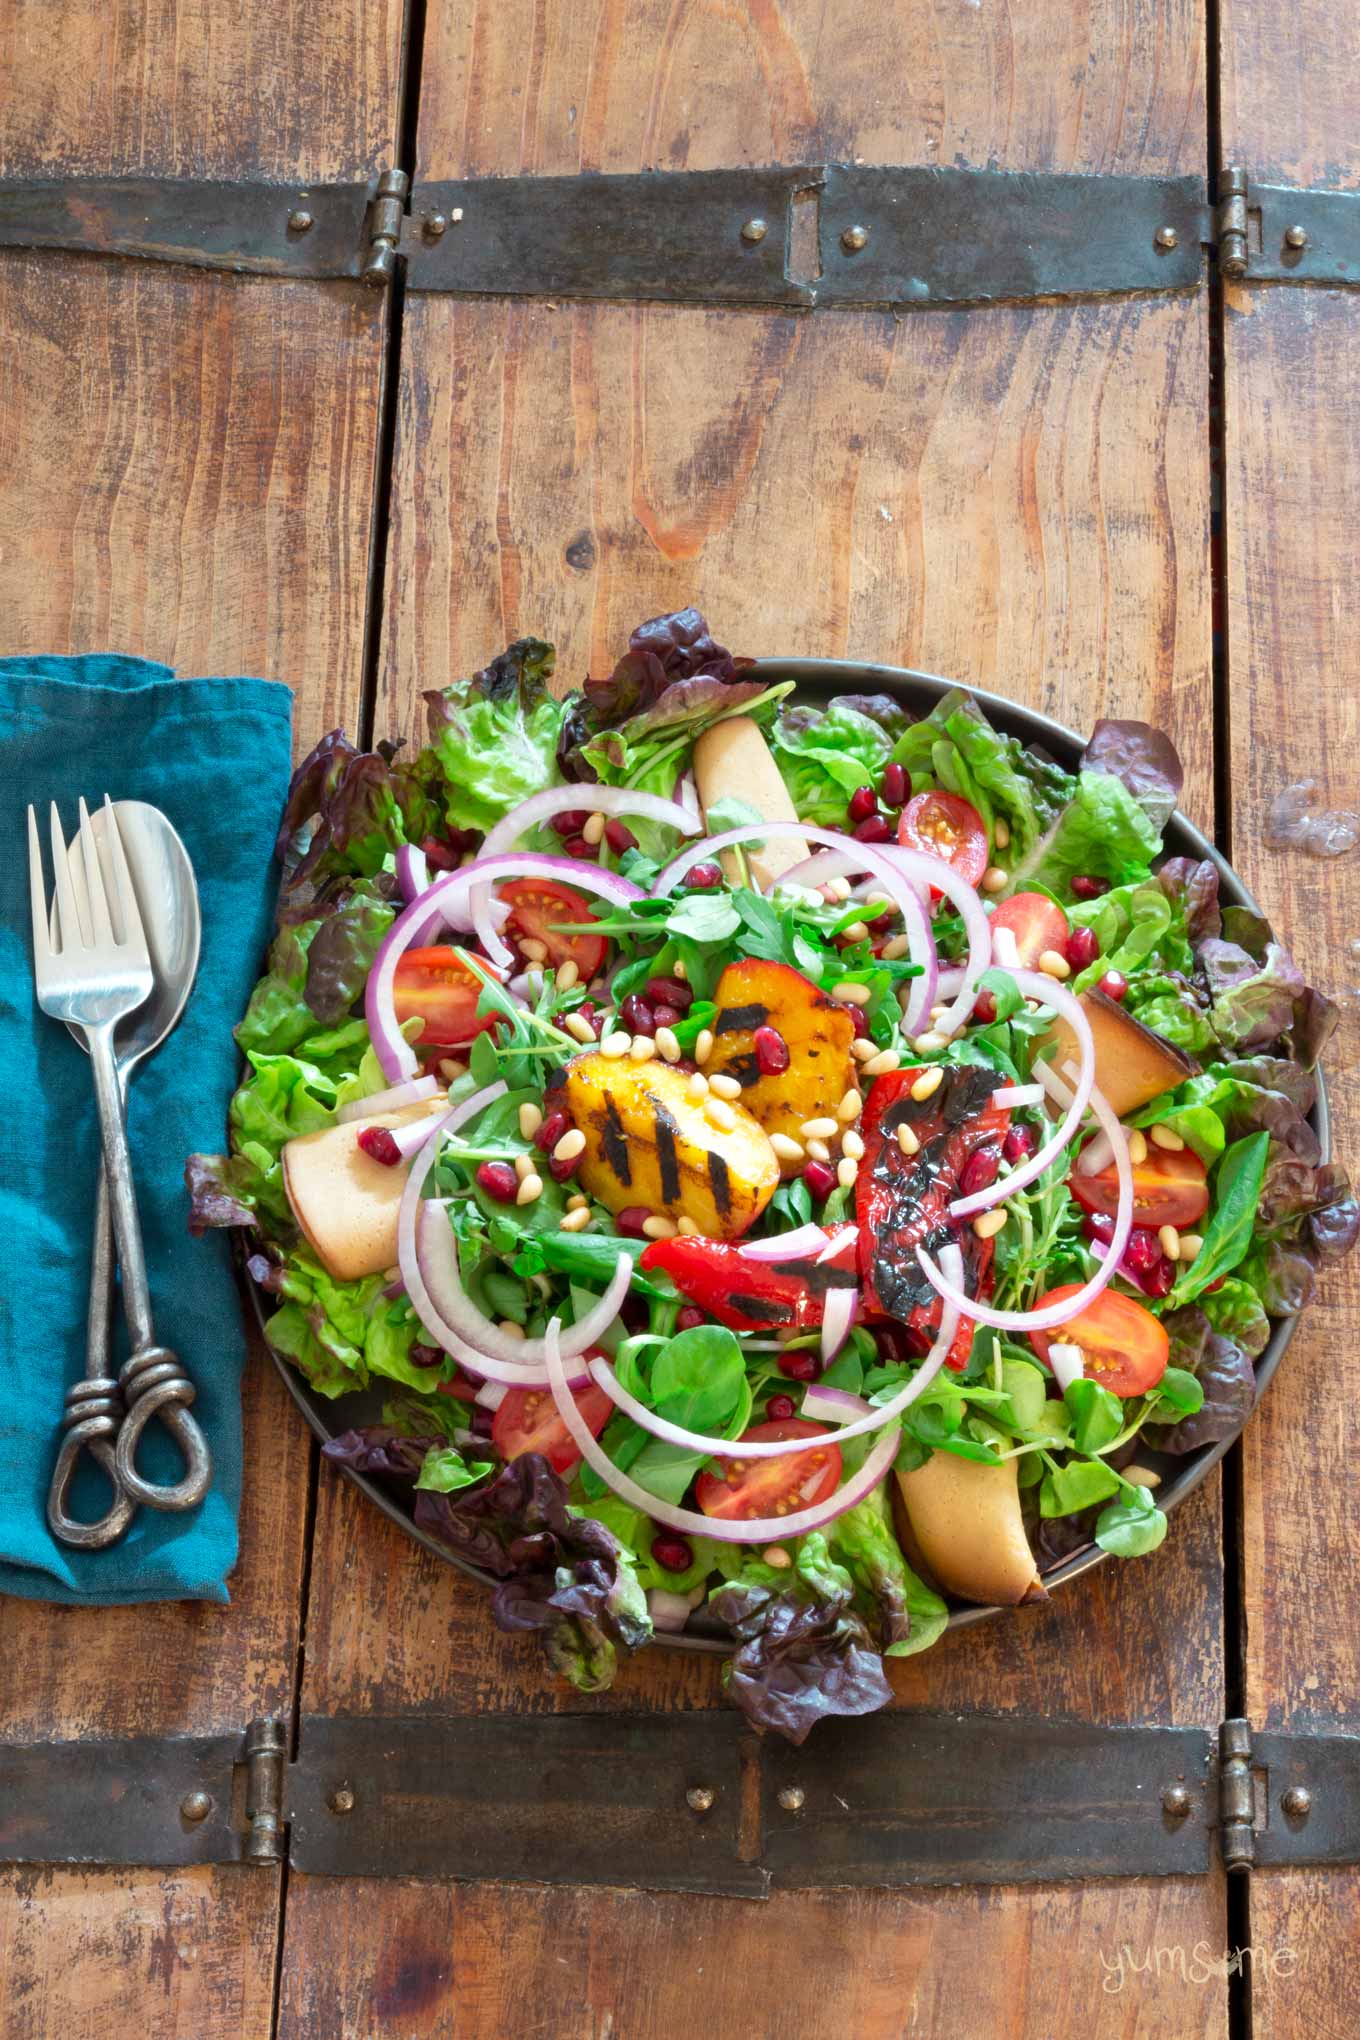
1237, 1193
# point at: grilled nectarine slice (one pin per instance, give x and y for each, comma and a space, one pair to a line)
815, 1029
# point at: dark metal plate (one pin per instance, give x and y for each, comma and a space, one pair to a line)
207, 225
120, 1801
1330, 221
563, 1798
1327, 1769
820, 680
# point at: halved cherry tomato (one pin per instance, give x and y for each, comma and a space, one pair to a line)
437, 985
527, 1421
1037, 923
1168, 1189
946, 826
773, 1487
536, 904
1125, 1347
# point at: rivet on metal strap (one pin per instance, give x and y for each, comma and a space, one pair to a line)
700, 1798
754, 230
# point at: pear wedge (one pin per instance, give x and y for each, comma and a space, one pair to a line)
965, 1520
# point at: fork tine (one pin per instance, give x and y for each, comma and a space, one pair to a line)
101, 927
128, 905
42, 946
73, 933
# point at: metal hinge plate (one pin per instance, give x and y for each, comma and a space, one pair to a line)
1276, 233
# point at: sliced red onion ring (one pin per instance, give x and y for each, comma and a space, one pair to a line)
491, 1394
729, 1530
834, 1406
1071, 1306
413, 872
670, 1612
799, 1245
842, 1236
1068, 1363
839, 1311
1035, 984
895, 881
394, 1052
437, 1253
1095, 1156
735, 1448
414, 1093
411, 1137
1012, 1096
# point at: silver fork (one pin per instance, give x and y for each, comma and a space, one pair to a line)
96, 977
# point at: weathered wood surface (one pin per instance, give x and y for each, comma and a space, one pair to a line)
1292, 505
186, 472
1015, 498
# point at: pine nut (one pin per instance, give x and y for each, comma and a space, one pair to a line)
776, 1557
703, 1045
927, 1084
1166, 1137
819, 1151
641, 1048
579, 1027
907, 1140
1054, 965
659, 1227
839, 888
615, 1045
530, 1119
849, 1109
720, 1114
524, 1166
534, 952
578, 1201
896, 947
856, 932
819, 1129
1192, 1244
530, 1188
1137, 1147
1143, 1476
864, 1051
930, 1043
687, 1227
994, 879
846, 1173
786, 1149
592, 829
988, 1224
852, 1144
667, 1047
698, 1084
1169, 1240
576, 1219
851, 994
882, 1062
450, 1070
568, 974
510, 1328
678, 970
723, 1086
1001, 833
572, 1144
880, 899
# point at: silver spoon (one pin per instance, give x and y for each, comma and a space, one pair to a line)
167, 895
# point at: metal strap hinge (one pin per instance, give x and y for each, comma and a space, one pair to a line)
1278, 233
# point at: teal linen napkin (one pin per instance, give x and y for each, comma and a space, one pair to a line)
214, 756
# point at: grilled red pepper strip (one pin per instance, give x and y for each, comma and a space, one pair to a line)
751, 1296
901, 1199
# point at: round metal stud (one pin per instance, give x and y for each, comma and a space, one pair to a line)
700, 1798
754, 230
855, 238
791, 1798
299, 222
1296, 237
435, 224
196, 1805
1166, 238
341, 1800
1296, 1801
1176, 1801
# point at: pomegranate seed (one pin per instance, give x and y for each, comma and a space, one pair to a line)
878, 829
424, 1356
798, 1366
772, 1051
863, 803
631, 1220
1143, 1251
551, 1130
669, 991
378, 1142
779, 1408
563, 1171
979, 1170
859, 1025
1089, 888
619, 837
1019, 1142
917, 1340
1082, 948
820, 1178
499, 1180
1097, 1226
440, 855
667, 1016
1160, 1278
704, 877
672, 1554
555, 1079
637, 1016
635, 1312
1115, 986
1212, 1286
984, 1009
571, 821
895, 784
690, 1318
481, 1421
585, 853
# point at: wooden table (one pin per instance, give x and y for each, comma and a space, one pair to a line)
1127, 506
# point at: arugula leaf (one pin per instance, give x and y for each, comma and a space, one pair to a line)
1228, 1235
